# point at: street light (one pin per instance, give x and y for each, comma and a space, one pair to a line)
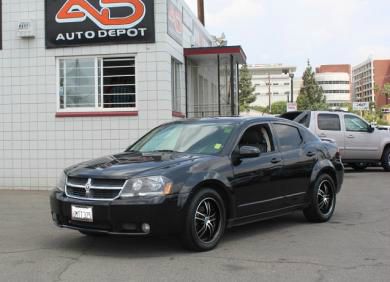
292, 86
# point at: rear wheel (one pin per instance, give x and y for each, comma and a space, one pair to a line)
386, 159
205, 221
322, 200
359, 166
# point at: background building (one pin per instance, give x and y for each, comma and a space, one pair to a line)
335, 81
273, 83
76, 85
366, 77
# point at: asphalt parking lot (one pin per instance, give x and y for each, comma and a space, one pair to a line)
353, 246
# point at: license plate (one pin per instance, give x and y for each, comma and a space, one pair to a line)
82, 213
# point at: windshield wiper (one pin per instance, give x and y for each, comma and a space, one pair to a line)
164, 151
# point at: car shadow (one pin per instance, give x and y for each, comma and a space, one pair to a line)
279, 224
161, 246
368, 170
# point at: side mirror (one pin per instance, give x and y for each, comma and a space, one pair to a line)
247, 152
371, 129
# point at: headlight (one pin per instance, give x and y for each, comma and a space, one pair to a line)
61, 182
147, 186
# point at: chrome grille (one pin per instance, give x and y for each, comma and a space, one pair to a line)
94, 189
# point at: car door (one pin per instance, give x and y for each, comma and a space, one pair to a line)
361, 143
328, 125
299, 158
257, 180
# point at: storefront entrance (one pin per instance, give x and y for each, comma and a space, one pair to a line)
212, 81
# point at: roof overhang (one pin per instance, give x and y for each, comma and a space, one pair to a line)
198, 53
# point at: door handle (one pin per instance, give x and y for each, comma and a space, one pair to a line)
310, 154
351, 136
276, 160
322, 135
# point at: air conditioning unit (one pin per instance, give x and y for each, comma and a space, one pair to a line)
26, 29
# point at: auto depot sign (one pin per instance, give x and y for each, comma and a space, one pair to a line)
88, 22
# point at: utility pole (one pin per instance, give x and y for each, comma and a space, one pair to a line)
269, 92
201, 11
292, 86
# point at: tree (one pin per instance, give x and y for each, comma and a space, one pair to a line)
386, 92
311, 96
247, 90
279, 108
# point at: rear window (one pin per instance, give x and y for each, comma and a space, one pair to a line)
329, 122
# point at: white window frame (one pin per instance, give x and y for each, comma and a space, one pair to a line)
96, 108
174, 79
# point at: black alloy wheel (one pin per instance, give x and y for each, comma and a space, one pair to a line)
325, 197
322, 200
205, 222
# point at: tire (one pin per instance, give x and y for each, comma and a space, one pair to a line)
319, 210
205, 221
386, 159
359, 166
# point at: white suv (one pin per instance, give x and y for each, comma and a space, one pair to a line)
360, 144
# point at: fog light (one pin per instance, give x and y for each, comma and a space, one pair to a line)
145, 228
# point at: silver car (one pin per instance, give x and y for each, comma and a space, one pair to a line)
360, 144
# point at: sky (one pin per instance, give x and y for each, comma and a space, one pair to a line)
293, 31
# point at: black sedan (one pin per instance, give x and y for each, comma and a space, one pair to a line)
198, 177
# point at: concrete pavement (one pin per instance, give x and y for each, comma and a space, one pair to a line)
353, 246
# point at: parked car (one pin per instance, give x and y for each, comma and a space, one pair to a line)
198, 177
361, 145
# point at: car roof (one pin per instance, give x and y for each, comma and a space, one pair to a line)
237, 120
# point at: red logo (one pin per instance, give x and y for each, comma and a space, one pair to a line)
78, 10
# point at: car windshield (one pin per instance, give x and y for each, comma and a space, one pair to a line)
194, 138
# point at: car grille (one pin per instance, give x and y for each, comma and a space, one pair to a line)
94, 189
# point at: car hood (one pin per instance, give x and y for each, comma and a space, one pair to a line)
126, 165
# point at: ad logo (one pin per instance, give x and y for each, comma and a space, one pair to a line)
78, 10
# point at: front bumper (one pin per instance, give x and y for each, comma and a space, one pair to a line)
122, 216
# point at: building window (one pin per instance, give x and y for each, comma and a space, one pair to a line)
335, 91
176, 85
1, 26
95, 83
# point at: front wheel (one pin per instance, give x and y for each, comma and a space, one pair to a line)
322, 200
205, 221
386, 159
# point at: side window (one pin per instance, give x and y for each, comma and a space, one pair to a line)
353, 123
258, 136
289, 137
329, 122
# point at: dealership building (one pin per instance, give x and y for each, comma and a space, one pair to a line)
84, 78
